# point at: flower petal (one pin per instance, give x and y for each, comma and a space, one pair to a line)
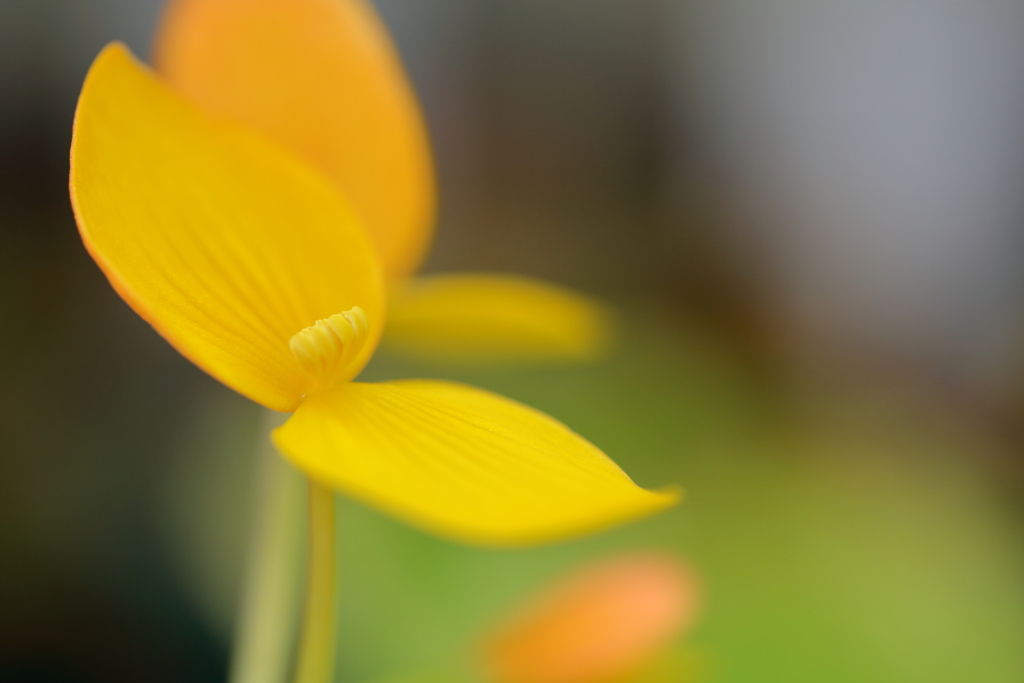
462, 462
477, 317
322, 78
225, 243
598, 624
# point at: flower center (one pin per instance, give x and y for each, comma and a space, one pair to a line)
330, 345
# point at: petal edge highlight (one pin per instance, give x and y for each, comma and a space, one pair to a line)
462, 462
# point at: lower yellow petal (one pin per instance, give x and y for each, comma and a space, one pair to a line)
486, 318
462, 462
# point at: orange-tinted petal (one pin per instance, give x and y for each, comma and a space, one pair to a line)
597, 624
462, 462
477, 317
321, 77
227, 244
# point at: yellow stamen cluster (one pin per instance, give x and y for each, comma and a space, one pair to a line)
327, 347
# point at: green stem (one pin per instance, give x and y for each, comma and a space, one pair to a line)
269, 610
316, 653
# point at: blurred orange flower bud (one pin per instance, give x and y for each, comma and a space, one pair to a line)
597, 624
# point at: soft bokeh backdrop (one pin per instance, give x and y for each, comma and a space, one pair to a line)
809, 216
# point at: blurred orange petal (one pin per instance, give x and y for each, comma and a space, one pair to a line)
323, 78
597, 624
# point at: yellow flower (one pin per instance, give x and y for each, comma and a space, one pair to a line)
322, 78
252, 265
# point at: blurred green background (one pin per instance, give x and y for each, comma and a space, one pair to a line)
808, 217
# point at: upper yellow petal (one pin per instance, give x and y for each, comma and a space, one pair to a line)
321, 77
462, 462
227, 244
477, 317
